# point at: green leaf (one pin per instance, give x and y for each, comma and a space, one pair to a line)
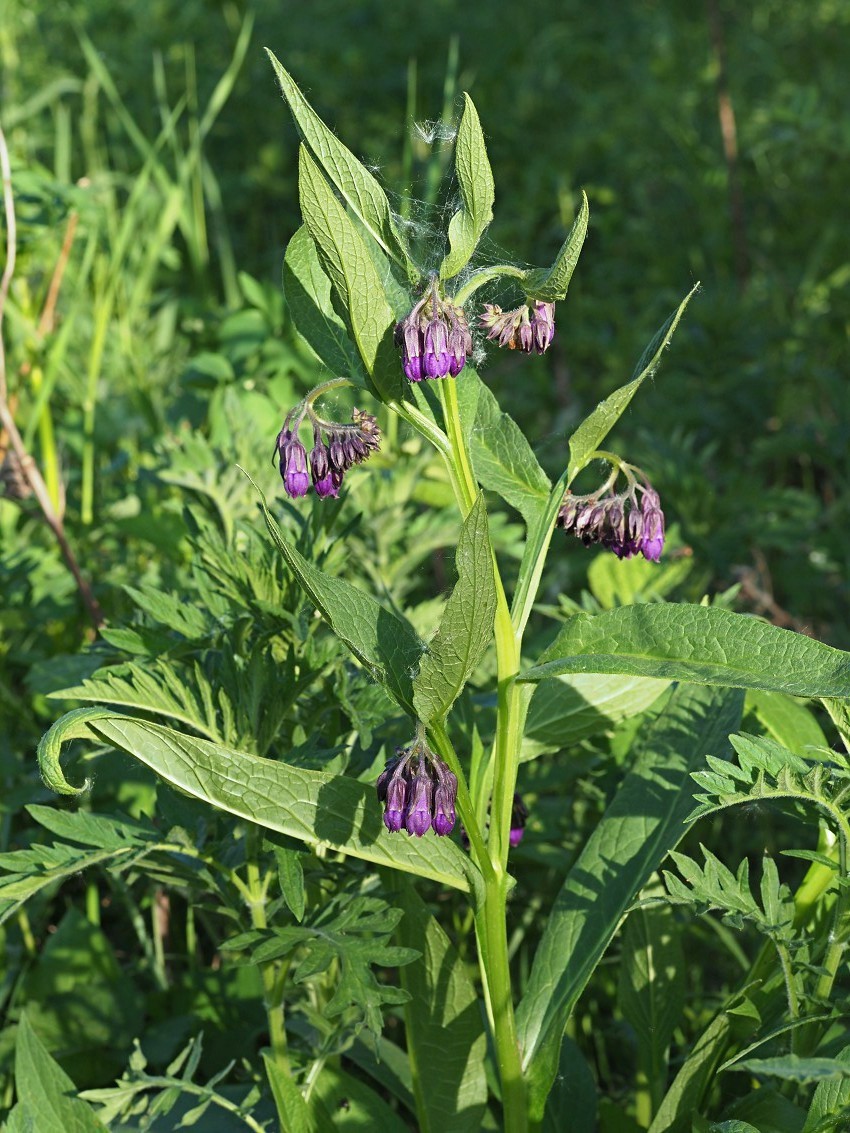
642, 824
186, 697
652, 988
573, 1092
566, 709
503, 459
308, 296
361, 191
699, 644
290, 874
292, 1109
694, 1078
623, 582
353, 1104
787, 721
384, 642
831, 1098
477, 192
594, 429
317, 808
466, 628
794, 1068
550, 285
45, 1091
445, 1033
352, 272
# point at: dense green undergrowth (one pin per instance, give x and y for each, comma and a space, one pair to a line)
154, 177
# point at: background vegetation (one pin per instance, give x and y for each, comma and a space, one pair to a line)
154, 169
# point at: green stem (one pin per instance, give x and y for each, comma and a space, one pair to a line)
103, 314
491, 923
272, 976
482, 277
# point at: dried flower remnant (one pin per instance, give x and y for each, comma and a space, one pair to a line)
619, 521
418, 791
530, 327
336, 447
434, 338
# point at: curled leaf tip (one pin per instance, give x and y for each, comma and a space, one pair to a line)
72, 726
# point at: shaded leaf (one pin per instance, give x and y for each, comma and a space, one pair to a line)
466, 628
642, 824
445, 1032
45, 1091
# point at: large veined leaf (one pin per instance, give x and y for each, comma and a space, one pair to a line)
315, 807
361, 191
477, 192
643, 823
346, 260
700, 644
308, 296
445, 1032
466, 627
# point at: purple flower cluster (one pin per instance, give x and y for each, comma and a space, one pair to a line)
418, 792
530, 327
434, 338
335, 449
617, 520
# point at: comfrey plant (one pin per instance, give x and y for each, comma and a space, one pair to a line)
494, 1051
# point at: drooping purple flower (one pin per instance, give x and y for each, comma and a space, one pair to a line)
652, 543
293, 464
418, 816
617, 520
543, 324
397, 789
529, 327
434, 337
444, 801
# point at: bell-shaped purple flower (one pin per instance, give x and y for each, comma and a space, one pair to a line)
652, 542
293, 464
396, 800
444, 801
519, 817
417, 818
543, 324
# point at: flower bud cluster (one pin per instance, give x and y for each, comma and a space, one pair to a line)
530, 327
434, 338
418, 792
336, 447
618, 521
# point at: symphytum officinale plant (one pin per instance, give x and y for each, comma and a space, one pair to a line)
445, 808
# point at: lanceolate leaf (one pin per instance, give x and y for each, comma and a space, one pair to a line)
308, 297
594, 429
700, 644
477, 192
550, 285
361, 191
382, 641
466, 628
45, 1092
315, 807
503, 459
352, 272
642, 824
445, 1033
